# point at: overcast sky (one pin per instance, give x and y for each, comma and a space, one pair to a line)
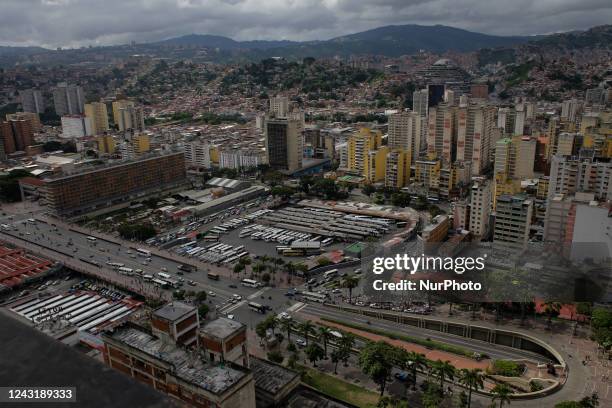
101, 22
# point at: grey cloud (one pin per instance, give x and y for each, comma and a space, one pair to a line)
83, 22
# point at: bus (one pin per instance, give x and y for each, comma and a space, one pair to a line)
249, 283
159, 282
257, 307
293, 252
147, 277
327, 241
213, 276
174, 283
186, 268
91, 239
143, 252
330, 274
125, 271
315, 297
163, 275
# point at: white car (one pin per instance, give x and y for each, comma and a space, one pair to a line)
212, 294
300, 342
230, 316
237, 297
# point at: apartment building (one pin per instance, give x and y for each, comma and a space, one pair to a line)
32, 101
406, 131
480, 207
100, 187
279, 106
106, 144
571, 174
513, 216
225, 340
68, 99
397, 173
284, 140
98, 115
76, 126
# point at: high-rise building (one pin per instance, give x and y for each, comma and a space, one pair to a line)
98, 114
513, 220
475, 124
279, 106
239, 158
106, 144
29, 116
406, 132
76, 126
32, 101
197, 154
594, 96
556, 219
515, 157
359, 146
397, 172
68, 99
420, 102
284, 139
99, 187
441, 130
570, 109
569, 175
480, 91
480, 207
16, 135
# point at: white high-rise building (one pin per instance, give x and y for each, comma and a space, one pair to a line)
131, 118
197, 154
569, 175
406, 132
420, 100
480, 206
279, 106
68, 99
570, 108
75, 126
32, 101
236, 159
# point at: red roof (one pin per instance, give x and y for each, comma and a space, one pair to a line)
15, 265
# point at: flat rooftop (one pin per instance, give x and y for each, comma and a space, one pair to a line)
174, 311
32, 358
271, 377
213, 378
222, 327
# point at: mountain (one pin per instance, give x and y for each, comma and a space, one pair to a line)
224, 43
595, 37
392, 40
16, 51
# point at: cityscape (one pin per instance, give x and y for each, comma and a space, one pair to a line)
311, 204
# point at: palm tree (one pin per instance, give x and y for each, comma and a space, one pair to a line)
287, 326
306, 328
416, 361
325, 335
443, 370
350, 282
346, 345
501, 393
551, 309
472, 379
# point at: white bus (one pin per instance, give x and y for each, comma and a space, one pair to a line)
331, 273
91, 239
249, 283
163, 275
143, 252
315, 297
125, 271
257, 307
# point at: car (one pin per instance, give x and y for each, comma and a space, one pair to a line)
230, 316
233, 286
300, 342
401, 376
290, 293
212, 294
164, 269
237, 297
284, 316
336, 291
191, 283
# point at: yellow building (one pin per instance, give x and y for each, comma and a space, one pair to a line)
362, 155
505, 186
398, 168
427, 173
214, 154
106, 144
543, 183
118, 105
142, 143
97, 113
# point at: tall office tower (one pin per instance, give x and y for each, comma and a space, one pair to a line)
97, 113
32, 101
284, 139
570, 109
397, 172
594, 96
106, 144
359, 146
519, 122
420, 102
279, 106
76, 126
441, 132
68, 99
513, 220
480, 91
569, 175
505, 120
406, 131
29, 116
480, 207
475, 124
197, 154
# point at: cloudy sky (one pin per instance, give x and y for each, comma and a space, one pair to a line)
101, 22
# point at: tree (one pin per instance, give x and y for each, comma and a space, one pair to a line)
261, 330
432, 397
287, 326
326, 188
324, 334
376, 361
350, 282
400, 199
314, 352
337, 356
368, 189
501, 393
601, 326
417, 361
201, 297
472, 379
203, 311
551, 309
306, 328
282, 191
443, 370
586, 402
275, 357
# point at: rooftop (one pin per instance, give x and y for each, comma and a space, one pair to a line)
174, 311
222, 327
271, 377
213, 378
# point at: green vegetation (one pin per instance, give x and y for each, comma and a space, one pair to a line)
341, 390
275, 356
203, 311
140, 232
586, 402
507, 368
431, 344
9, 185
519, 73
601, 326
